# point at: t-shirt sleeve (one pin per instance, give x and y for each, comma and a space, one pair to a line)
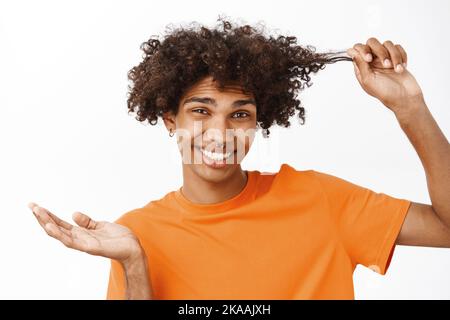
368, 222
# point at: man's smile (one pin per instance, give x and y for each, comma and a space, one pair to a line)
214, 159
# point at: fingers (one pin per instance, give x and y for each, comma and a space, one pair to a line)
84, 221
403, 53
392, 55
69, 241
57, 228
362, 67
45, 217
396, 57
380, 51
57, 232
31, 205
57, 220
365, 51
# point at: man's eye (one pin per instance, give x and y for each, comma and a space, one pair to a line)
241, 115
201, 111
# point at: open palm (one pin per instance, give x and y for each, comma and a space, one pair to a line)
100, 238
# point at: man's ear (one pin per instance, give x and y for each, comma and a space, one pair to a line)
169, 120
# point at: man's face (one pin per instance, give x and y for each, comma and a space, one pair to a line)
215, 128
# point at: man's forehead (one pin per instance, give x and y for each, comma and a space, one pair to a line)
207, 85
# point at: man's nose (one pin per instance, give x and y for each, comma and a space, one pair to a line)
219, 130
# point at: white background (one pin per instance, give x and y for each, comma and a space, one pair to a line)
68, 143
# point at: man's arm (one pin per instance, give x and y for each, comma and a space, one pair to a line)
137, 282
427, 225
381, 71
423, 227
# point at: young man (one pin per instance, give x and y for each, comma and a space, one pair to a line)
229, 233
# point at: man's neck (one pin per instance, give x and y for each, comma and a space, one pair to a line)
198, 190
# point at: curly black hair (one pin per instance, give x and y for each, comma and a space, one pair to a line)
273, 69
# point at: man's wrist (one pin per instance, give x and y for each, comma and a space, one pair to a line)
136, 260
409, 110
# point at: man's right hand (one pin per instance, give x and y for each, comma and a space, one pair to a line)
98, 238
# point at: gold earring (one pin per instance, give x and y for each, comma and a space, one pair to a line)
171, 133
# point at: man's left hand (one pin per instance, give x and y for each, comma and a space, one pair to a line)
381, 72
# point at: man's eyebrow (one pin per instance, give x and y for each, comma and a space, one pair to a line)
213, 102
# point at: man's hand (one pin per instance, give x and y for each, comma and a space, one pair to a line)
102, 238
381, 72
105, 239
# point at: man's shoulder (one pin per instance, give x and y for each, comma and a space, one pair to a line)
288, 171
135, 216
287, 178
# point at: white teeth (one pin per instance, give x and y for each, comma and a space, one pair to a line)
216, 156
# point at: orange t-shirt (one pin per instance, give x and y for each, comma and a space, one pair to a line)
292, 234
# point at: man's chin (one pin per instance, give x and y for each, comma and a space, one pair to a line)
212, 174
